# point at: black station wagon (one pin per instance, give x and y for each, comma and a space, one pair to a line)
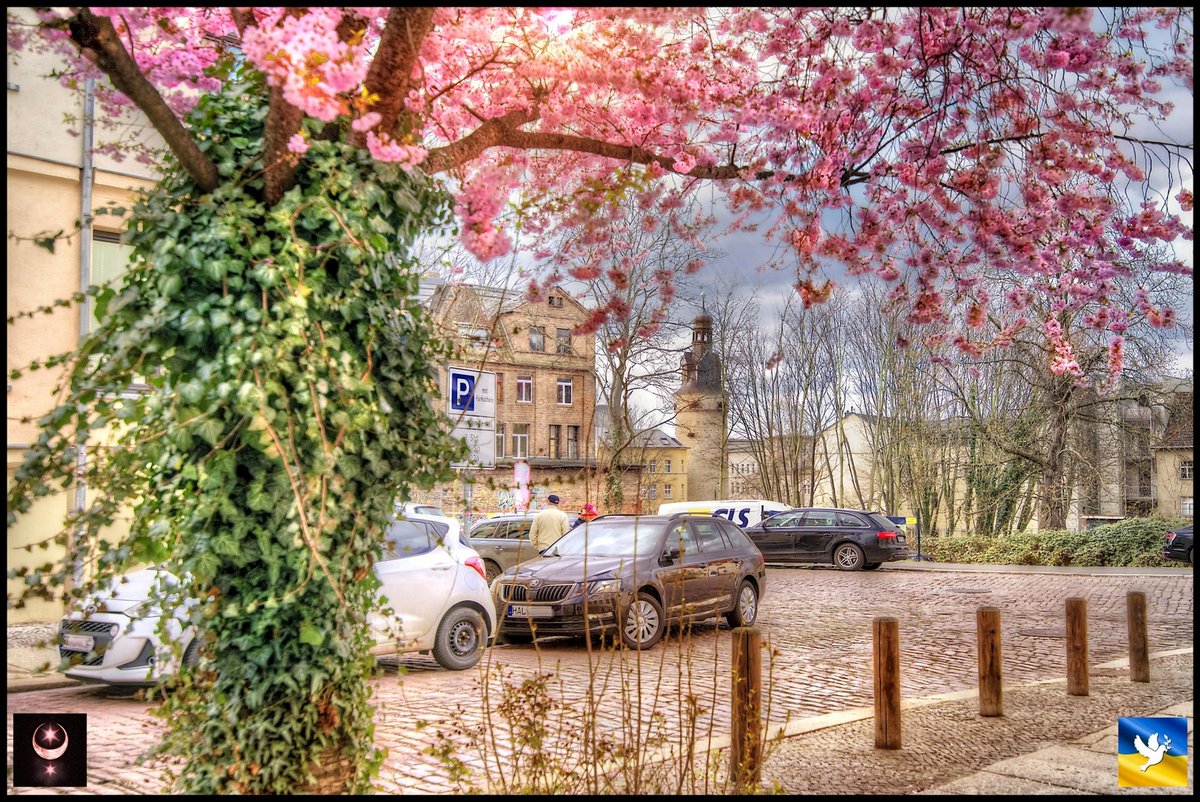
633, 575
852, 540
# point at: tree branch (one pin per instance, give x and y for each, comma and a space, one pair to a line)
502, 132
97, 40
390, 75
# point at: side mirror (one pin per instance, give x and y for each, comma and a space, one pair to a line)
669, 556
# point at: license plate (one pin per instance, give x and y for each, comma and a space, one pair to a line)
79, 643
521, 611
900, 539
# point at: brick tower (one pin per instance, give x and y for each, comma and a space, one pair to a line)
700, 419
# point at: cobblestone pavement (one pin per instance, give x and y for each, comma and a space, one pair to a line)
816, 621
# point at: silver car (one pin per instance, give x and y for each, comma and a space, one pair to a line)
502, 542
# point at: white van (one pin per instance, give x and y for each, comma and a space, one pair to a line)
743, 511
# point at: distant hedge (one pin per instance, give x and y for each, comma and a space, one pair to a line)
1133, 542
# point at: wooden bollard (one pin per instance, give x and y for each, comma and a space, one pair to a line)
991, 688
1139, 642
1077, 647
887, 683
745, 746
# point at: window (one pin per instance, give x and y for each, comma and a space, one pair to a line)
653, 466
537, 338
520, 440
666, 491
563, 339
681, 538
489, 530
572, 442
566, 391
1185, 507
1185, 469
555, 301
110, 262
473, 336
525, 389
499, 439
709, 535
555, 441
499, 386
666, 466
653, 491
406, 538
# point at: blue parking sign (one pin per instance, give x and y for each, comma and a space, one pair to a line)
462, 392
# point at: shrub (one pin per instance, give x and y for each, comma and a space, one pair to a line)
1134, 542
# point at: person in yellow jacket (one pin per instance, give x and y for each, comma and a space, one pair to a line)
548, 525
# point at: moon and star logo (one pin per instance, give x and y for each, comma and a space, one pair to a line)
49, 749
50, 741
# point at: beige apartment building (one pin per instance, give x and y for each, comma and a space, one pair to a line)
55, 181
664, 473
545, 395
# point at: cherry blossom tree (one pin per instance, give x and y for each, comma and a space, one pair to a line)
273, 283
921, 144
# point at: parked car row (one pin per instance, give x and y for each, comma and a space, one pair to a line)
115, 639
450, 592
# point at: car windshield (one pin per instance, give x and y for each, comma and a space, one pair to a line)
609, 539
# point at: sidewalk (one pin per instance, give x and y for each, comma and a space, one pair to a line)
31, 665
1045, 743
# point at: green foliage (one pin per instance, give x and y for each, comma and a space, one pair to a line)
1135, 542
289, 406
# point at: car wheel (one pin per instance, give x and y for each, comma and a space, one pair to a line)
848, 557
460, 639
871, 566
745, 608
492, 570
191, 655
642, 623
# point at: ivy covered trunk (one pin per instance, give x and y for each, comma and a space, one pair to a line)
290, 380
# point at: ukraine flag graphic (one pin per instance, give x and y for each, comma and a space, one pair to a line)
1152, 752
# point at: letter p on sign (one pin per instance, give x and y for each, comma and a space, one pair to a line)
462, 392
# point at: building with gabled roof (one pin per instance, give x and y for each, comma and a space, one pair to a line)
545, 392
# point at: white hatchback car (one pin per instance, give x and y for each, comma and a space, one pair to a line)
435, 586
114, 639
433, 583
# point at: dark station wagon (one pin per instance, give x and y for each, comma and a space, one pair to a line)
852, 540
633, 575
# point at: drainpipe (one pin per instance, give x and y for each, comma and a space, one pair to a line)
85, 280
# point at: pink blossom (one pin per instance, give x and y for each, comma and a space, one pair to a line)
367, 121
298, 144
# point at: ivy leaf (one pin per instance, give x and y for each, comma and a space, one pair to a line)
311, 635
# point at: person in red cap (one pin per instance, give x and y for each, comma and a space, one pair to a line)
548, 525
588, 512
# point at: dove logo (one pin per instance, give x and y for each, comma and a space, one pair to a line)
1151, 752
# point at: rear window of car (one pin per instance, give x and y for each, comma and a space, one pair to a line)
738, 540
406, 539
884, 523
820, 518
849, 519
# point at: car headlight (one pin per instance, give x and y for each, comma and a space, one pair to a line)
604, 586
144, 609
